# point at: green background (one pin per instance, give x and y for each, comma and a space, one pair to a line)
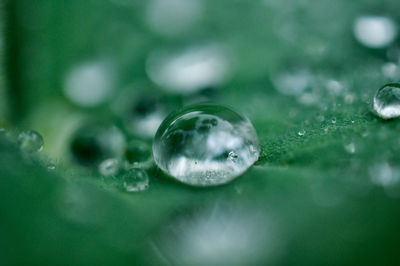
309, 200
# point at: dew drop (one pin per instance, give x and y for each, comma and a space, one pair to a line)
30, 141
350, 147
387, 101
135, 180
192, 145
333, 120
375, 31
138, 154
109, 167
301, 133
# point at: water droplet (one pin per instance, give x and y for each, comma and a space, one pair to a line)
333, 120
375, 31
135, 180
94, 143
387, 101
30, 141
89, 84
190, 70
350, 148
301, 132
192, 145
51, 166
109, 167
138, 154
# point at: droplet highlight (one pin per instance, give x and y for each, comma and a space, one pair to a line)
30, 141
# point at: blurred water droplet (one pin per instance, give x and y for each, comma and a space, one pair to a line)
192, 145
387, 101
93, 143
109, 167
30, 141
172, 17
301, 133
375, 31
138, 154
334, 86
135, 180
222, 235
144, 115
293, 82
333, 120
350, 147
390, 70
190, 70
51, 166
382, 174
89, 84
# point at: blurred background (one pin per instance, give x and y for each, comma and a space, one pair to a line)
95, 76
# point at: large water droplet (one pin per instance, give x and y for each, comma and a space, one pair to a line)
387, 101
205, 145
30, 141
135, 180
375, 31
190, 70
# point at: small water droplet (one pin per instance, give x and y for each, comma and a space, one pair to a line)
30, 141
138, 154
192, 145
390, 70
375, 31
333, 120
301, 133
135, 180
109, 167
383, 174
350, 148
387, 101
51, 166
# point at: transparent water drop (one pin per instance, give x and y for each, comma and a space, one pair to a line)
375, 31
190, 70
95, 142
387, 101
135, 180
301, 133
333, 120
51, 166
138, 154
89, 84
193, 145
109, 167
30, 141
